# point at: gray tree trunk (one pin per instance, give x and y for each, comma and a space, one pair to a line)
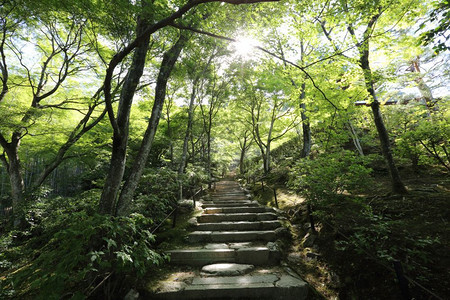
188, 129
167, 64
306, 128
397, 184
120, 138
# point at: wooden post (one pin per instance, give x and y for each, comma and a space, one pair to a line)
311, 219
193, 195
275, 195
402, 281
174, 223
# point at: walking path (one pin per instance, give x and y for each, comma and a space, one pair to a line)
232, 253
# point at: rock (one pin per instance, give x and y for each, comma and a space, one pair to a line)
335, 281
226, 269
294, 257
131, 295
312, 255
272, 246
192, 222
185, 203
289, 281
216, 246
282, 232
309, 239
240, 245
171, 286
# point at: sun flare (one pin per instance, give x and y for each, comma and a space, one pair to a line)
245, 47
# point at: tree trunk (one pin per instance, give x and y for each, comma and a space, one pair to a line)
397, 184
16, 181
120, 137
167, 64
355, 138
208, 157
14, 171
306, 128
188, 130
267, 159
242, 157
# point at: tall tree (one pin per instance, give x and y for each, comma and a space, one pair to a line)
167, 64
63, 52
120, 123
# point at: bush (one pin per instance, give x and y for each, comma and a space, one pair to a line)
72, 252
330, 174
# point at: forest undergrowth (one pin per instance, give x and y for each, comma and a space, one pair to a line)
360, 235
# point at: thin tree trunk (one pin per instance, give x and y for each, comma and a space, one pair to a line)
355, 138
167, 64
120, 138
242, 156
208, 164
188, 129
363, 48
74, 137
306, 128
397, 184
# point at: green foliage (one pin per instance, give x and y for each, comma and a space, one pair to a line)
329, 174
156, 193
71, 248
438, 36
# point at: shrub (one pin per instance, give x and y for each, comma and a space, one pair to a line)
330, 174
72, 252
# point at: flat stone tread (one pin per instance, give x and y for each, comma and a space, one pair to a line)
257, 285
233, 210
214, 205
219, 250
238, 225
231, 245
233, 232
245, 279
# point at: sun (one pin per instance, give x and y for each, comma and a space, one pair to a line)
245, 47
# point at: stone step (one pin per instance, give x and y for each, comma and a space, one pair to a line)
229, 201
232, 210
228, 198
271, 286
258, 256
207, 204
215, 218
232, 236
240, 225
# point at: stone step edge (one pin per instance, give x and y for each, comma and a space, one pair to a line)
258, 256
286, 287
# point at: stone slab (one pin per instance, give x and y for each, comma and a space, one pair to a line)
212, 218
229, 204
246, 279
201, 257
238, 225
216, 246
232, 210
227, 269
253, 255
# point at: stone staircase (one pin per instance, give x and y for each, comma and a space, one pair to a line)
231, 254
